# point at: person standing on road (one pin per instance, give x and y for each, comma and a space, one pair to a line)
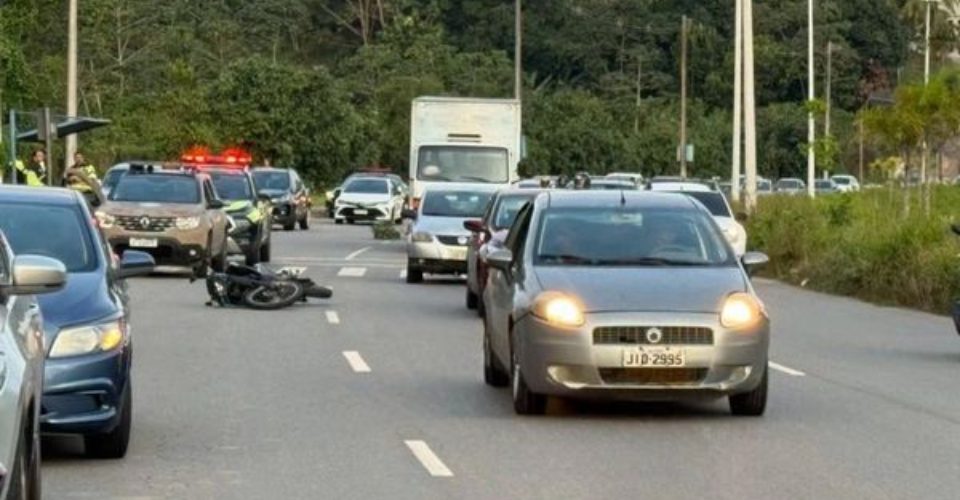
34, 173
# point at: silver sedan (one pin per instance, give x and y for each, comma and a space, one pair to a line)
624, 295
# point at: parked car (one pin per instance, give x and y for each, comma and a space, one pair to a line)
288, 195
626, 295
87, 387
718, 206
626, 176
846, 183
490, 231
825, 186
369, 199
437, 241
600, 184
790, 186
21, 366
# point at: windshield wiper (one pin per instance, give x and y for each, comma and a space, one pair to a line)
650, 261
566, 258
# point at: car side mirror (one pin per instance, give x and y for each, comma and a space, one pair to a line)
753, 260
34, 275
741, 217
216, 204
409, 214
501, 259
473, 225
135, 263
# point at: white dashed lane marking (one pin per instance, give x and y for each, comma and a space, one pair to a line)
356, 362
428, 459
352, 272
784, 369
333, 318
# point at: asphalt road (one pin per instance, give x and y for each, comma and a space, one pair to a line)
378, 393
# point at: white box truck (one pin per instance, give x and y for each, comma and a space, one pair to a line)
463, 140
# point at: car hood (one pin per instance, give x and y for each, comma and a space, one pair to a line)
364, 198
451, 226
654, 289
273, 193
156, 209
84, 299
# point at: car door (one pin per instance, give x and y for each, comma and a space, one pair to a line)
502, 286
218, 217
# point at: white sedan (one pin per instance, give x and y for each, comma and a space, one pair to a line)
716, 204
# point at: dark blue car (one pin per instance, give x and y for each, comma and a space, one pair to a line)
87, 386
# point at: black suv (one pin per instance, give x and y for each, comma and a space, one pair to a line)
249, 211
287, 193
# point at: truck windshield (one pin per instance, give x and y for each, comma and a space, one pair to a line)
463, 164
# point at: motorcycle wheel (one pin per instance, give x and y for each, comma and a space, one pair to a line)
278, 295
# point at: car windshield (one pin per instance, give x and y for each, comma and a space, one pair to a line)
271, 180
789, 184
842, 180
764, 186
629, 237
824, 185
462, 204
463, 164
507, 209
112, 177
367, 186
66, 235
232, 186
714, 201
157, 188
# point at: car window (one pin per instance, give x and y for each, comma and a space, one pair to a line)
158, 188
463, 204
507, 209
272, 180
519, 229
232, 186
66, 237
463, 164
715, 202
209, 192
842, 180
616, 236
367, 186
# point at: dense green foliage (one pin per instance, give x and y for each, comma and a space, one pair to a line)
860, 245
326, 84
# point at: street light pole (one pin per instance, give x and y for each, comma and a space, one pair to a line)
828, 91
926, 81
737, 102
518, 50
683, 97
749, 108
70, 146
811, 122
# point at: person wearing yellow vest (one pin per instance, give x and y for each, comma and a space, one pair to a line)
34, 173
82, 177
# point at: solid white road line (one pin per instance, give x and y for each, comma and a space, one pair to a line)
428, 459
784, 369
333, 318
356, 362
352, 272
358, 252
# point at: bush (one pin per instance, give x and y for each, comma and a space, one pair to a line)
385, 230
861, 245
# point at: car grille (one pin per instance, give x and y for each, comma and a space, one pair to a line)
672, 335
371, 212
453, 240
145, 223
644, 376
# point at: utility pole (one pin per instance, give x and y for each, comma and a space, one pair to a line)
683, 97
636, 118
860, 133
518, 51
811, 121
828, 90
750, 108
737, 102
70, 146
926, 81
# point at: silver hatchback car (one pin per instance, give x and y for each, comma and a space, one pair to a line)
21, 367
624, 295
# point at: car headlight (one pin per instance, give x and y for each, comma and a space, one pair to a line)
188, 223
558, 309
105, 220
77, 341
421, 237
741, 310
329, 195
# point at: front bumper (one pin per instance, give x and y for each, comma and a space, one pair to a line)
83, 394
378, 213
568, 362
438, 258
285, 213
168, 252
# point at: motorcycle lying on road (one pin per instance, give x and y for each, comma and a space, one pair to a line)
259, 287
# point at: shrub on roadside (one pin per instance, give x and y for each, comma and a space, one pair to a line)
861, 245
385, 230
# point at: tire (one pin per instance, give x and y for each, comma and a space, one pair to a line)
351, 221
305, 222
24, 479
481, 307
114, 444
472, 300
414, 275
493, 373
753, 403
290, 227
252, 257
265, 299
265, 251
525, 401
219, 262
338, 221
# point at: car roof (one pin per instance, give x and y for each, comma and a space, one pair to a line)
31, 194
637, 199
680, 186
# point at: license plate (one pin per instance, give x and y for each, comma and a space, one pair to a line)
359, 212
144, 242
654, 357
